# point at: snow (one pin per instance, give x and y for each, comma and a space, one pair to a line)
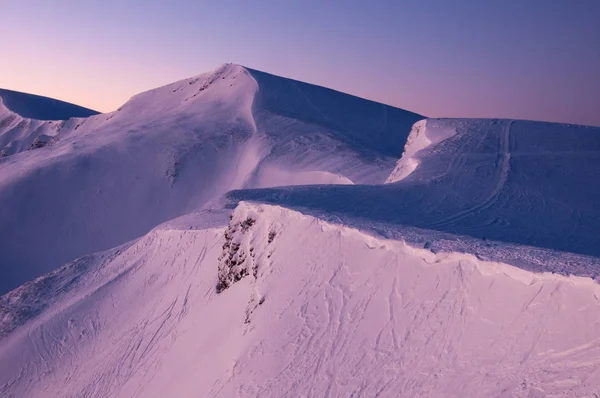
480, 187
272, 176
240, 234
104, 180
367, 126
29, 121
332, 311
32, 106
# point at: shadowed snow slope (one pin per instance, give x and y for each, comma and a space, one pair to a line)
373, 127
29, 121
520, 182
315, 310
32, 106
70, 188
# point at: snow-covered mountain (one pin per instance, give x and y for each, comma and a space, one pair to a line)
420, 257
100, 181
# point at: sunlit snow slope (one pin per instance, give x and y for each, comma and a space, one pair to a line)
70, 188
321, 310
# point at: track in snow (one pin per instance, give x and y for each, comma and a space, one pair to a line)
501, 170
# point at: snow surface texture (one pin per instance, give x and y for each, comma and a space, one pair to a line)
467, 185
327, 311
70, 188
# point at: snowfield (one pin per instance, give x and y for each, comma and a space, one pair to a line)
238, 234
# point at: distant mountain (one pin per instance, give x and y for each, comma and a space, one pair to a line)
32, 106
29, 121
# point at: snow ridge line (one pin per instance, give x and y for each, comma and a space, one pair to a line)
259, 212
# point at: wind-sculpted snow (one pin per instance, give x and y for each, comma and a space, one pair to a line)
70, 188
518, 182
324, 310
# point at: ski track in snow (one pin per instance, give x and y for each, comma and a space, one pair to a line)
501, 167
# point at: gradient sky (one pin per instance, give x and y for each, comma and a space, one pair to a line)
527, 59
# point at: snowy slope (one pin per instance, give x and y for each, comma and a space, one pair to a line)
98, 182
518, 182
322, 310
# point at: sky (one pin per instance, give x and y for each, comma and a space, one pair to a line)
526, 59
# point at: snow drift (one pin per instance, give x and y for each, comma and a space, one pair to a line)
321, 310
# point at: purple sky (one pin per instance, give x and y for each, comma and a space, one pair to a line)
533, 59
